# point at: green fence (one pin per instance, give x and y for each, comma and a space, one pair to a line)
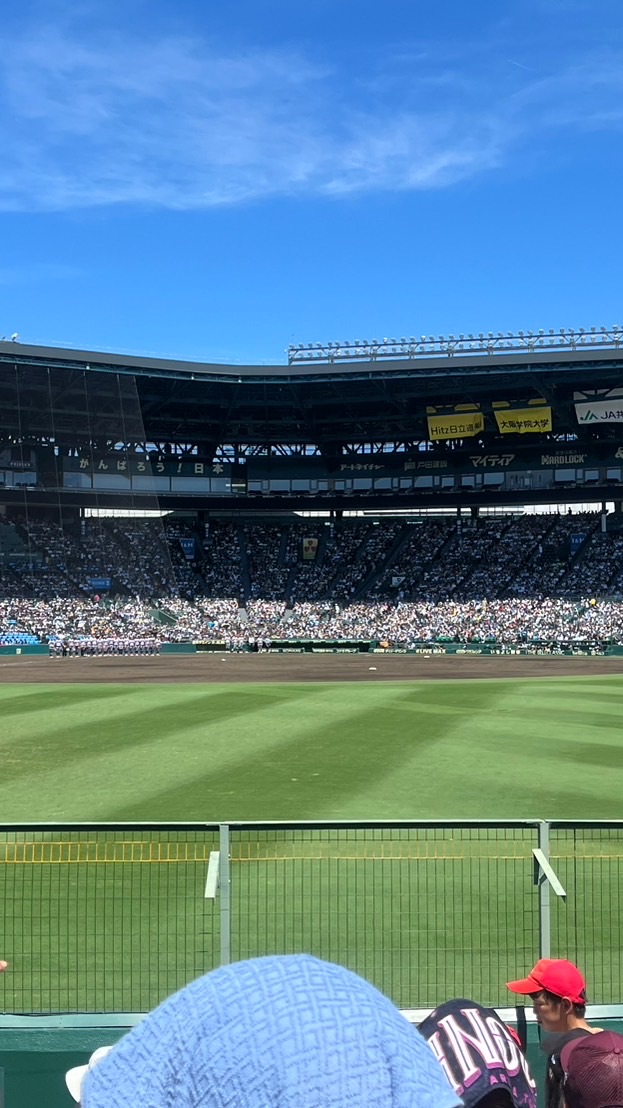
104, 920
418, 911
588, 923
114, 918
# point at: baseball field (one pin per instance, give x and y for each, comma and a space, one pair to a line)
115, 919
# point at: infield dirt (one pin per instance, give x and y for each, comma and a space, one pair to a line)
261, 668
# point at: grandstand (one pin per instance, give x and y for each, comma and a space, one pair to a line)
373, 491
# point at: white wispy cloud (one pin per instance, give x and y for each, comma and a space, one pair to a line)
586, 95
175, 123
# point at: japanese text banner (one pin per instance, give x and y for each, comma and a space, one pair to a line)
600, 411
460, 425
522, 421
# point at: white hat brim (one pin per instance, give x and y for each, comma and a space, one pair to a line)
74, 1079
75, 1076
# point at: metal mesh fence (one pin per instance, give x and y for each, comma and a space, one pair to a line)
104, 921
115, 919
423, 913
587, 927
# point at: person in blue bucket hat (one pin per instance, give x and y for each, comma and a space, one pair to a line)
278, 1032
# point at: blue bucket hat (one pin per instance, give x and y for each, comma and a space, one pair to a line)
279, 1032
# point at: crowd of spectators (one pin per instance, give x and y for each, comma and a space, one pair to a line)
267, 564
404, 623
533, 578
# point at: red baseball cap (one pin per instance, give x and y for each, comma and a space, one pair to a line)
556, 975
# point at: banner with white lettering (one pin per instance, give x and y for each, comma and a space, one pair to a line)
599, 406
478, 1053
188, 546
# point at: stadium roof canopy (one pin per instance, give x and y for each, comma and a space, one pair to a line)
331, 404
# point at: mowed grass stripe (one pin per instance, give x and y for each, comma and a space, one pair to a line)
507, 756
134, 755
143, 709
461, 749
549, 762
34, 699
317, 765
81, 771
248, 767
92, 936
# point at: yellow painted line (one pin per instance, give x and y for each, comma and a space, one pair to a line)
138, 852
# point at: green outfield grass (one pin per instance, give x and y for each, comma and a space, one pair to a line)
451, 749
116, 921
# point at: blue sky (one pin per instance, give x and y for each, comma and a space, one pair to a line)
218, 180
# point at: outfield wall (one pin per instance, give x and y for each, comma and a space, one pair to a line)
438, 646
365, 646
37, 1052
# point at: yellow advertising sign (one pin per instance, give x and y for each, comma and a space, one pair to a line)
460, 425
521, 421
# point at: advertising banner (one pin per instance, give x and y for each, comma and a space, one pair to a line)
459, 425
600, 406
521, 421
142, 464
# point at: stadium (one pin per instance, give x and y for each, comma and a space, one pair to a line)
318, 656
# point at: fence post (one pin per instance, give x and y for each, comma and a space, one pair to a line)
545, 915
225, 891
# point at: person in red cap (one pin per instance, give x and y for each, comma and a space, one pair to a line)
558, 993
